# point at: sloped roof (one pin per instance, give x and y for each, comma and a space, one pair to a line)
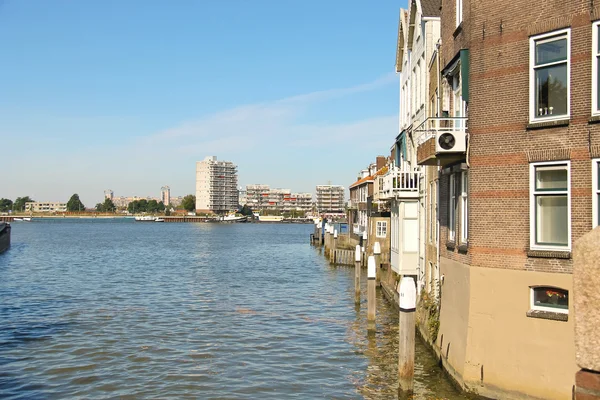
369, 178
431, 8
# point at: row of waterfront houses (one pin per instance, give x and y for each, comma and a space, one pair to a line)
493, 176
217, 192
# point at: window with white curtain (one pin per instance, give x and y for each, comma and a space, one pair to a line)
550, 222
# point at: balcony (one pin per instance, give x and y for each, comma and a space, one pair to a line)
441, 141
398, 184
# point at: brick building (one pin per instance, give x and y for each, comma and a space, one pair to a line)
518, 150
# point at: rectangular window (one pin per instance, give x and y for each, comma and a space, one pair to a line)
451, 208
381, 229
459, 11
595, 69
549, 56
464, 212
457, 103
410, 227
550, 222
546, 298
595, 192
431, 212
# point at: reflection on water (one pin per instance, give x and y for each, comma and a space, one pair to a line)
113, 308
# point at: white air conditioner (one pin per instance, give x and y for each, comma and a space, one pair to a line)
450, 142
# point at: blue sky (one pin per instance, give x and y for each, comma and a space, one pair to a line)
128, 95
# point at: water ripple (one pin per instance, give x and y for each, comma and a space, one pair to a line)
116, 309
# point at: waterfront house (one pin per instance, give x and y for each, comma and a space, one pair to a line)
518, 150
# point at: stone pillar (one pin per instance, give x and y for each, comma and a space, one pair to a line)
586, 299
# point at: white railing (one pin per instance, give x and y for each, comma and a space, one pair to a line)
357, 229
398, 183
428, 128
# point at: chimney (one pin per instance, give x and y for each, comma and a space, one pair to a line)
381, 161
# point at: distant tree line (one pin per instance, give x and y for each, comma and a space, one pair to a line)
147, 206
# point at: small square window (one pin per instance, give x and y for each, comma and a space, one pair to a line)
548, 298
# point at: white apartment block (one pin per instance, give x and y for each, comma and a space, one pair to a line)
216, 186
165, 195
330, 199
262, 197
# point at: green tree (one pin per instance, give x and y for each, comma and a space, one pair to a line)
133, 207
20, 203
108, 205
99, 207
5, 205
74, 204
189, 202
247, 211
152, 206
142, 205
161, 206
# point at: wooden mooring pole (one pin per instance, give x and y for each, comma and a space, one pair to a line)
377, 254
335, 237
357, 254
371, 272
406, 347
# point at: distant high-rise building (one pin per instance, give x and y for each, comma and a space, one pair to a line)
216, 186
330, 199
165, 195
108, 194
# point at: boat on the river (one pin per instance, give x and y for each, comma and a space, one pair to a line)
158, 219
4, 236
270, 218
232, 217
145, 218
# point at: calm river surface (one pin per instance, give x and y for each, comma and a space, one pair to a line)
119, 309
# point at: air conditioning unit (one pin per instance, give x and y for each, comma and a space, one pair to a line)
450, 142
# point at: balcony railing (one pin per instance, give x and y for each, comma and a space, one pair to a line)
428, 128
400, 184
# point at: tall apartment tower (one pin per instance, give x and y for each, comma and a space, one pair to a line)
108, 194
330, 199
216, 186
165, 195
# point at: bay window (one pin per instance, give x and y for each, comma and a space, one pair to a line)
550, 202
549, 76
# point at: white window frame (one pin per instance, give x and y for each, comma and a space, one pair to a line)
459, 12
452, 208
595, 192
464, 210
532, 205
595, 61
381, 229
533, 306
532, 89
431, 211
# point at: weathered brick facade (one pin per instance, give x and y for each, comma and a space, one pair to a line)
503, 142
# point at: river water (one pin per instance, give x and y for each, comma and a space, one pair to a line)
119, 309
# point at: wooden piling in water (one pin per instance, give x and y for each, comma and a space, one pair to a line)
371, 299
357, 258
377, 254
406, 347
